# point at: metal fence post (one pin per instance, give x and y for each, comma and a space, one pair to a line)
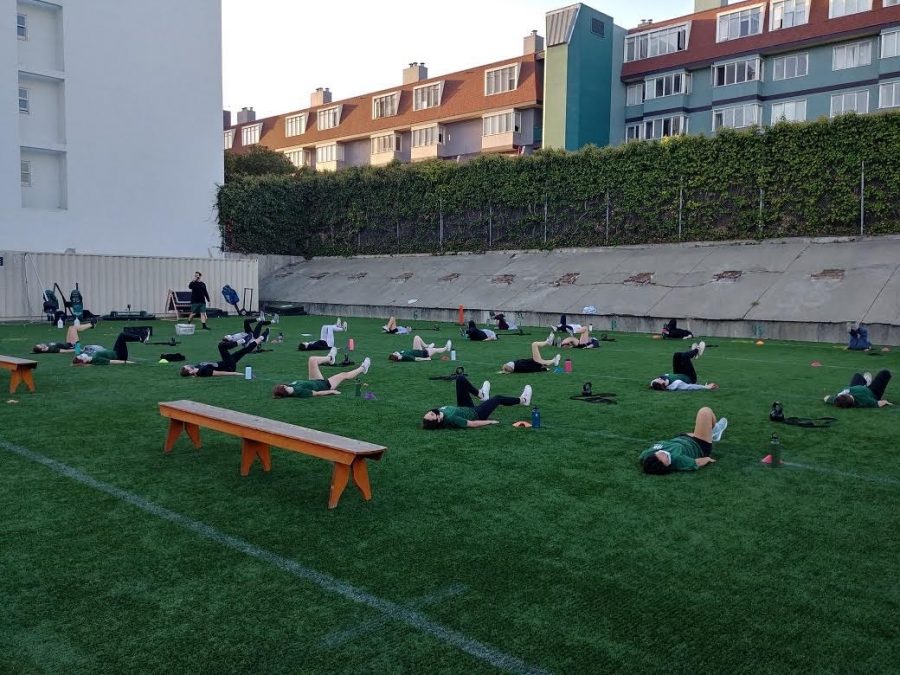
490, 225
680, 208
441, 223
862, 199
607, 217
545, 219
760, 223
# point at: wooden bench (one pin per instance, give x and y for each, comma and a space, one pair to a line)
258, 434
20, 370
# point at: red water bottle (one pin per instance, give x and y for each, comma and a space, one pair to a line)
351, 345
567, 366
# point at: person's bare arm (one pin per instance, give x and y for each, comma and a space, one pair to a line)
423, 358
327, 392
218, 373
883, 403
481, 423
711, 385
703, 461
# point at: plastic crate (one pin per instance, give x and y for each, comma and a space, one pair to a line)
184, 329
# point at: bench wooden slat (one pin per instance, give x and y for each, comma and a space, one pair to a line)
20, 371
13, 362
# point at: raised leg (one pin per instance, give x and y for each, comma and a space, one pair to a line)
361, 477
339, 478
250, 450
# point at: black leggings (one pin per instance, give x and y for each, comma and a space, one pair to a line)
676, 333
682, 364
879, 383
120, 348
527, 366
475, 333
464, 392
563, 325
313, 346
229, 360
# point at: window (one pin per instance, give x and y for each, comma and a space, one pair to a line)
740, 24
25, 173
250, 134
22, 26
787, 13
890, 3
789, 111
385, 106
500, 80
385, 143
428, 96
665, 126
328, 118
635, 94
786, 67
24, 101
854, 101
838, 8
666, 85
298, 157
890, 44
433, 135
503, 123
329, 153
736, 117
228, 137
851, 55
597, 27
889, 94
736, 72
295, 125
633, 132
656, 42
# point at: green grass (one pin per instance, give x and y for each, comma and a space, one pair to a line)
548, 546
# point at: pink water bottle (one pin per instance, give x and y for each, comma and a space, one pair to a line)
567, 366
351, 345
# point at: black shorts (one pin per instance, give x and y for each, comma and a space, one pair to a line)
705, 447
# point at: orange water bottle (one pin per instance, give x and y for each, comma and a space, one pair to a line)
351, 345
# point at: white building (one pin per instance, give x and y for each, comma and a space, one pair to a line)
115, 145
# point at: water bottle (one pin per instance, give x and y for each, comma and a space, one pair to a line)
567, 365
248, 373
280, 338
358, 391
59, 323
351, 345
535, 418
275, 318
453, 355
775, 451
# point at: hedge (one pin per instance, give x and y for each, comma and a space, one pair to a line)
792, 179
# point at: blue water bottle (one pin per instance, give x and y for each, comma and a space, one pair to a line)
535, 418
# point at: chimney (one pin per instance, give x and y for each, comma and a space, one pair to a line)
245, 115
226, 119
534, 43
320, 97
416, 72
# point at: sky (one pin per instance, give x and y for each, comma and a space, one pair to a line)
276, 52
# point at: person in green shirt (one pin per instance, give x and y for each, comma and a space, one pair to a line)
465, 414
317, 384
67, 346
115, 356
683, 376
686, 452
420, 351
863, 392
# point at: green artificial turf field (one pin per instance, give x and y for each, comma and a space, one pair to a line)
483, 550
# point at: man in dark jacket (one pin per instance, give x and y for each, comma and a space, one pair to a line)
199, 298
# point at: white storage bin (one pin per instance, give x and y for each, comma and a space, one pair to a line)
184, 329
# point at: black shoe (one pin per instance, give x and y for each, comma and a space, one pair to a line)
172, 341
94, 321
206, 328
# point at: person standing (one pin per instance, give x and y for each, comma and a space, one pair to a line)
199, 298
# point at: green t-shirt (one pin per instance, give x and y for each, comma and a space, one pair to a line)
412, 354
862, 397
102, 357
305, 388
675, 377
683, 449
457, 417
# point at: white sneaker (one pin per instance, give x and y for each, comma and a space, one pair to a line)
525, 398
485, 392
449, 345
76, 322
550, 338
365, 365
719, 429
331, 354
556, 360
701, 347
868, 378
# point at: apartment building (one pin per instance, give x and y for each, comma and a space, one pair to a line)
494, 108
738, 64
113, 145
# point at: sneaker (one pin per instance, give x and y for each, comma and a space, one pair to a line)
701, 347
146, 338
94, 321
551, 337
365, 365
77, 322
485, 392
525, 398
205, 327
556, 360
172, 341
719, 429
868, 378
344, 325
448, 346
331, 354
262, 316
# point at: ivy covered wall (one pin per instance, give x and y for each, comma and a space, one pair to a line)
829, 177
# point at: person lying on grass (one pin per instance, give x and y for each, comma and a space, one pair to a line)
536, 363
392, 327
476, 334
503, 323
317, 384
249, 332
671, 331
683, 376
686, 452
326, 337
118, 355
465, 414
565, 326
863, 392
420, 351
859, 338
67, 346
228, 364
582, 340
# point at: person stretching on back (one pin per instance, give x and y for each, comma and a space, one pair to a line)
67, 346
582, 341
118, 355
465, 414
420, 351
671, 331
859, 338
683, 376
536, 363
228, 364
476, 334
249, 332
317, 384
863, 392
326, 337
686, 452
392, 327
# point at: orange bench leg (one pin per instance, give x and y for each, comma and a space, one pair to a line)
175, 428
361, 477
29, 379
250, 450
339, 478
